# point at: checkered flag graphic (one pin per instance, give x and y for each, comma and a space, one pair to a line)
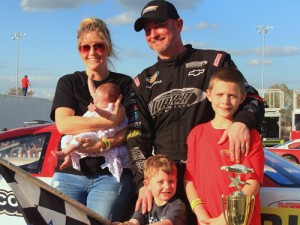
42, 204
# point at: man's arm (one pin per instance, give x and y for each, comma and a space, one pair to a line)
250, 115
140, 136
140, 139
251, 112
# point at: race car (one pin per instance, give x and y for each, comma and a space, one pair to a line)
280, 192
289, 149
30, 148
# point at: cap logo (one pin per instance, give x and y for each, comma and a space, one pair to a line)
149, 9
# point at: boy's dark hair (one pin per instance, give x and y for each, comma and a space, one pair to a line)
159, 162
228, 75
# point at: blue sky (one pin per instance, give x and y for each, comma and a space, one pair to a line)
49, 51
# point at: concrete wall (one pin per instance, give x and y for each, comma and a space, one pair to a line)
15, 110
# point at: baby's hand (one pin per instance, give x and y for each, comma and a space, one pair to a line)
92, 107
67, 162
91, 77
58, 154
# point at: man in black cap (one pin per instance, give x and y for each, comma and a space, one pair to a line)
169, 98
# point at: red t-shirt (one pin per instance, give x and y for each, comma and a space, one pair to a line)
25, 82
205, 158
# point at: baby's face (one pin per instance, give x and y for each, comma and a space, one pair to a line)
101, 100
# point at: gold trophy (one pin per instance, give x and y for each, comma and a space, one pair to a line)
238, 207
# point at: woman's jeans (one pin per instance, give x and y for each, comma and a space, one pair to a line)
101, 193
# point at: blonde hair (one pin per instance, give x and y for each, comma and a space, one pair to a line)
159, 162
99, 26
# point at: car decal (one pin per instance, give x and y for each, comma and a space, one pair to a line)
280, 216
9, 204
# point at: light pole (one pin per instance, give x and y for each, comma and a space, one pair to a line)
263, 30
17, 36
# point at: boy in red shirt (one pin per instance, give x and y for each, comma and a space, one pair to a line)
205, 182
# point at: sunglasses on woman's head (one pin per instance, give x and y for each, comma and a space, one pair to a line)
98, 48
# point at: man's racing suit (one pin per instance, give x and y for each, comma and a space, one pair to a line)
169, 99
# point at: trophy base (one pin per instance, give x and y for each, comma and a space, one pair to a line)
238, 208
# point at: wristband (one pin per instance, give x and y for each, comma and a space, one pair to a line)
106, 142
197, 201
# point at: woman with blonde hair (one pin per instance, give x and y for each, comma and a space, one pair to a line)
94, 185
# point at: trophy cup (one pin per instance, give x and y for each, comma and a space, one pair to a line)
238, 208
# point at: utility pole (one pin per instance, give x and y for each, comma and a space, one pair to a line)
263, 30
17, 36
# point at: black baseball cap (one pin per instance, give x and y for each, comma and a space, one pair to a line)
158, 10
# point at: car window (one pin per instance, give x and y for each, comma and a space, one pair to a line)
26, 151
282, 145
295, 145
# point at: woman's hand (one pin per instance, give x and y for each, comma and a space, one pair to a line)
92, 107
89, 145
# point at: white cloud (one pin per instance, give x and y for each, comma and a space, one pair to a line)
38, 5
179, 4
269, 51
198, 45
278, 51
124, 18
206, 26
282, 51
255, 62
137, 5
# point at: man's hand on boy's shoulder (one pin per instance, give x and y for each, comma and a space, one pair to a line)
145, 200
239, 140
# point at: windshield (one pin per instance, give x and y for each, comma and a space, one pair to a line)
283, 144
295, 144
281, 171
26, 152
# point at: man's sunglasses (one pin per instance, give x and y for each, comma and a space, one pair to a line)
98, 48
